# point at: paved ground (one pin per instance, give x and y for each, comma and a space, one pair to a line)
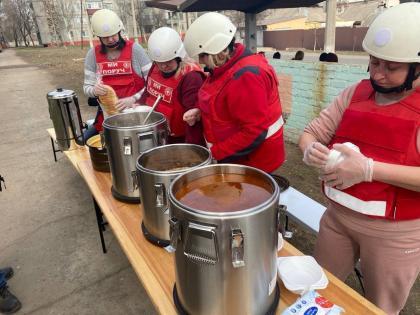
48, 228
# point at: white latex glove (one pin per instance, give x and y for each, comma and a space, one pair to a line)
126, 102
99, 89
355, 168
192, 116
316, 154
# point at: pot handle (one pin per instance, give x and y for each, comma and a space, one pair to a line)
237, 246
284, 230
135, 180
79, 139
162, 137
200, 244
161, 199
174, 232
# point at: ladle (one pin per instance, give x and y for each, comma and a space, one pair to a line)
153, 108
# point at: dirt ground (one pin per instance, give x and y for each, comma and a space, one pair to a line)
66, 65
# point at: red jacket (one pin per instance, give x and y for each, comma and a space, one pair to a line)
119, 74
170, 104
386, 134
241, 108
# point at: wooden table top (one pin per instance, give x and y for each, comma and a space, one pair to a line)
155, 266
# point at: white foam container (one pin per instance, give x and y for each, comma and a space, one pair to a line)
301, 274
140, 108
335, 157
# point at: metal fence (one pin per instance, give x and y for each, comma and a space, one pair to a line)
346, 38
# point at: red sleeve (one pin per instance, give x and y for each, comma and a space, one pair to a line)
246, 98
188, 92
189, 87
144, 96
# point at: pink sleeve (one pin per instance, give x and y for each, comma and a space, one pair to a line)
324, 126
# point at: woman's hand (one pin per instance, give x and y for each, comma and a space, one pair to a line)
192, 116
126, 102
316, 154
354, 169
99, 89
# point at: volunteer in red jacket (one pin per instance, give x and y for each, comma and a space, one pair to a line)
239, 101
374, 209
119, 63
177, 80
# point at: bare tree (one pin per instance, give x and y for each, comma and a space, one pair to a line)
159, 18
26, 16
66, 9
142, 17
124, 12
54, 21
17, 21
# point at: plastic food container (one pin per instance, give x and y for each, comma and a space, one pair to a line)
301, 274
335, 157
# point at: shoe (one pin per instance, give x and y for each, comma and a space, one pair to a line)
8, 272
8, 302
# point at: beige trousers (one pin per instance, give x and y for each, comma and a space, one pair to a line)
389, 253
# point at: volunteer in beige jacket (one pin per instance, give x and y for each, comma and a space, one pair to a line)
374, 192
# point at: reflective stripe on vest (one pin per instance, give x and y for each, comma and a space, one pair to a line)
276, 126
372, 207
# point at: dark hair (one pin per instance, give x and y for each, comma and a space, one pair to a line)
121, 44
323, 56
277, 55
331, 57
328, 57
299, 55
231, 45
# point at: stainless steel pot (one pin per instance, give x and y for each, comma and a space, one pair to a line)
63, 106
225, 262
125, 138
157, 168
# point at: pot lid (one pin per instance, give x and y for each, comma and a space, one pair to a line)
60, 93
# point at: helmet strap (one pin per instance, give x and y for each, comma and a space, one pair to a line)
170, 74
120, 44
406, 86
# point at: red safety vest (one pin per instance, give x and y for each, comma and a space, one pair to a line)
386, 134
119, 74
170, 104
270, 154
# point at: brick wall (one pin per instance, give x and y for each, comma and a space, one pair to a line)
306, 88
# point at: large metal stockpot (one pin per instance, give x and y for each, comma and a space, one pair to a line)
225, 261
125, 138
63, 106
157, 168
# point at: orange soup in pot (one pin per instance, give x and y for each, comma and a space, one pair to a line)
225, 192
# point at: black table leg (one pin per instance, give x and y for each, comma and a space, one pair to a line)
101, 224
54, 150
287, 232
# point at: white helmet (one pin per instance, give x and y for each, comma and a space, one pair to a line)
210, 33
106, 23
395, 34
165, 44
